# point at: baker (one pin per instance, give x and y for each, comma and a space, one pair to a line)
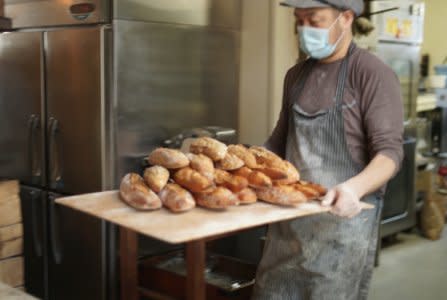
341, 124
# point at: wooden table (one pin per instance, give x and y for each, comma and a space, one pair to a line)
194, 228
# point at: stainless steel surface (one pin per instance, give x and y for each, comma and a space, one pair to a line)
216, 13
73, 68
44, 13
404, 60
171, 78
21, 111
405, 25
76, 258
400, 199
33, 205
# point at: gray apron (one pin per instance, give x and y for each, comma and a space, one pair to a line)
321, 256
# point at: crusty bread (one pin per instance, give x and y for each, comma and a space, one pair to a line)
243, 172
210, 147
274, 173
176, 198
168, 158
242, 152
292, 174
232, 182
134, 192
282, 195
192, 180
307, 190
247, 196
258, 179
156, 177
218, 198
230, 162
321, 190
202, 164
265, 157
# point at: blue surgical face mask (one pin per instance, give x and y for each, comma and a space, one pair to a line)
315, 41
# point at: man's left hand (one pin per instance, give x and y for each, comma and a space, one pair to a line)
345, 201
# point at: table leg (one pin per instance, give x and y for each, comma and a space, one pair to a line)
128, 264
195, 268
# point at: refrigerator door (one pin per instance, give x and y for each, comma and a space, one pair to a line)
77, 256
21, 108
42, 13
404, 60
35, 239
74, 72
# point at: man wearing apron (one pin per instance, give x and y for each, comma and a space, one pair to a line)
341, 125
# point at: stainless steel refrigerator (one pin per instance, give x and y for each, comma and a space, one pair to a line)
87, 88
399, 35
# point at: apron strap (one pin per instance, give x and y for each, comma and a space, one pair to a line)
300, 81
342, 78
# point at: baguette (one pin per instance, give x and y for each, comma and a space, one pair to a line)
242, 152
156, 177
176, 198
210, 147
232, 182
168, 158
284, 195
292, 174
202, 164
134, 192
218, 198
192, 180
247, 196
230, 162
258, 179
243, 172
265, 157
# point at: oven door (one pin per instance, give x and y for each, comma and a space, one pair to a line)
400, 198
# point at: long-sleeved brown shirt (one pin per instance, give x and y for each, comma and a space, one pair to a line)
372, 106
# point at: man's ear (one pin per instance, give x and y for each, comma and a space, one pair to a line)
347, 19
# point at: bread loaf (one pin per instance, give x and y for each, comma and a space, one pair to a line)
192, 180
265, 157
316, 188
242, 152
292, 174
282, 195
230, 162
274, 173
156, 177
232, 182
202, 164
210, 147
218, 198
176, 198
243, 172
168, 158
134, 192
247, 196
258, 179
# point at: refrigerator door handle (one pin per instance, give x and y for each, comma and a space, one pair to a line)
37, 241
54, 238
55, 173
34, 161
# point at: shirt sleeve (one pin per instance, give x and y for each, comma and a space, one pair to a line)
382, 109
277, 140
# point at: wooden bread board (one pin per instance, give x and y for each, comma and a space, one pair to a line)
9, 203
198, 223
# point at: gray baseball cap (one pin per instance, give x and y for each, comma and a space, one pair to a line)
355, 5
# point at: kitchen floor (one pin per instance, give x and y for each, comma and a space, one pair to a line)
411, 268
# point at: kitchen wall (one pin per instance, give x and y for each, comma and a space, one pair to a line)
268, 50
435, 43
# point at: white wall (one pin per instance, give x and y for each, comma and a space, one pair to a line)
435, 39
268, 50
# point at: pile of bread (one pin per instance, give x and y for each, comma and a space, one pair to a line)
215, 176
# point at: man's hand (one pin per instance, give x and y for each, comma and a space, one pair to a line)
345, 201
